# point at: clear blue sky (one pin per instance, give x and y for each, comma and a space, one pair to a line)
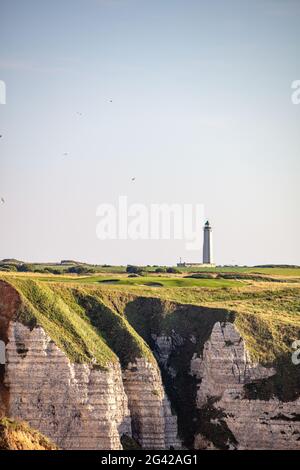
201, 113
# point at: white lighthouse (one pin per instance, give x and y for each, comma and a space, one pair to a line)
207, 244
208, 261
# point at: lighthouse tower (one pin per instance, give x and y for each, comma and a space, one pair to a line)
207, 244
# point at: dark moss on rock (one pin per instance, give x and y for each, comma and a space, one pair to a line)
129, 443
284, 385
189, 327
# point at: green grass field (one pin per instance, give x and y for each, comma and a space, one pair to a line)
267, 313
156, 281
148, 281
63, 267
266, 302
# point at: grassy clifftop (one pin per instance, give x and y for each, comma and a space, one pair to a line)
79, 323
100, 322
267, 315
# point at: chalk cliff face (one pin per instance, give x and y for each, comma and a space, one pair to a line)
195, 386
80, 406
224, 370
221, 373
153, 424
76, 405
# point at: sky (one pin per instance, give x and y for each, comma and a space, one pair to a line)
190, 97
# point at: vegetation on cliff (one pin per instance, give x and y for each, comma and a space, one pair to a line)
101, 322
87, 320
17, 435
79, 323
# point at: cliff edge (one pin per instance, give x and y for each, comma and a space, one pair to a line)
97, 369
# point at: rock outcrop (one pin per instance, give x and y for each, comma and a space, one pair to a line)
54, 378
153, 423
223, 371
221, 406
76, 405
79, 405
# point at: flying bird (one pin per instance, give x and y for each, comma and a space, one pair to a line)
2, 200
65, 154
133, 178
79, 114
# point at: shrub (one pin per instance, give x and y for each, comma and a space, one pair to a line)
160, 270
80, 270
25, 268
55, 271
173, 271
134, 269
8, 267
202, 276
